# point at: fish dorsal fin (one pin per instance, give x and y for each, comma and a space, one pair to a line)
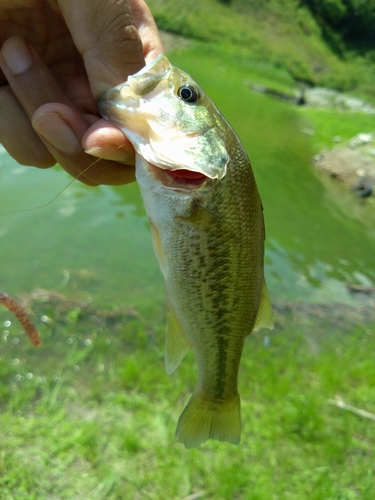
159, 250
175, 344
264, 317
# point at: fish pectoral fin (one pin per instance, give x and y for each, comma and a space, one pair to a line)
159, 250
264, 317
176, 345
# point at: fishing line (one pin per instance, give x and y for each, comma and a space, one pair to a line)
57, 195
3, 153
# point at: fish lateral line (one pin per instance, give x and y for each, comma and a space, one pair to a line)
216, 215
20, 313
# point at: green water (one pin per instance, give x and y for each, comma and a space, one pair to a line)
95, 243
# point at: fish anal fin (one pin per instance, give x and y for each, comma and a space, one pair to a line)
202, 420
264, 317
176, 345
159, 250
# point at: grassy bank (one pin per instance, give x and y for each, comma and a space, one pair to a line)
94, 416
278, 36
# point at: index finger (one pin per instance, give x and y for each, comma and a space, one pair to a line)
113, 37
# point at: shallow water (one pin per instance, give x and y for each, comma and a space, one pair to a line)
89, 242
95, 242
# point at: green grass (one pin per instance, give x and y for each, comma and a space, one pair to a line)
96, 419
329, 124
283, 34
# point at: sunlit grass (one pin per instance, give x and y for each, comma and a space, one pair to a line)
282, 34
92, 414
330, 127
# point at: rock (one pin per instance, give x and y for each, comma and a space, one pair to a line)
321, 97
360, 140
352, 163
317, 97
363, 190
349, 166
294, 97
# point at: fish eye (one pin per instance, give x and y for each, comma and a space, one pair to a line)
188, 93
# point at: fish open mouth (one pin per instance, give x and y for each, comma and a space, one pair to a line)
184, 176
181, 178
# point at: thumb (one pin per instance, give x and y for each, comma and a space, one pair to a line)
105, 34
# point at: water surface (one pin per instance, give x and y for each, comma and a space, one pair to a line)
95, 242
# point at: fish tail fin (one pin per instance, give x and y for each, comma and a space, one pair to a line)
203, 419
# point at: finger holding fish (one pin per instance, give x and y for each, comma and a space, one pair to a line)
66, 57
49, 128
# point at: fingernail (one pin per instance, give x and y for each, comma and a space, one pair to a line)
57, 132
17, 55
112, 152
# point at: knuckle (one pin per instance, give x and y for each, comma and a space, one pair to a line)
35, 154
17, 136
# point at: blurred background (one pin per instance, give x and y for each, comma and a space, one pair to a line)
92, 414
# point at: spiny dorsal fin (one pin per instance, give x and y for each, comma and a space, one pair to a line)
264, 317
175, 344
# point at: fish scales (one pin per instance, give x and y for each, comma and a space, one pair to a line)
206, 220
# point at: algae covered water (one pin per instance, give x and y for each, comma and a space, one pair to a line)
95, 243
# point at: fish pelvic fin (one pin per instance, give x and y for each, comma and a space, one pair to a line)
175, 344
202, 420
264, 317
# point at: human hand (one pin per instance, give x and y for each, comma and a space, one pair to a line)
57, 57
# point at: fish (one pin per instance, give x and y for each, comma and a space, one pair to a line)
206, 220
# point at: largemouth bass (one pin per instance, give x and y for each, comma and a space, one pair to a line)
206, 220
